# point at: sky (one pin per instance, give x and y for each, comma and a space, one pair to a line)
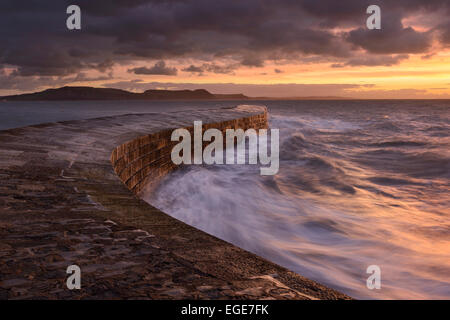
271, 48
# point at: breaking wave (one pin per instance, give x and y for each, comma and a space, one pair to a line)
357, 186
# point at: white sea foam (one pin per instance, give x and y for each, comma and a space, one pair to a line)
347, 196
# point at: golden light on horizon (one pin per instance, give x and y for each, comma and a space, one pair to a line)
429, 77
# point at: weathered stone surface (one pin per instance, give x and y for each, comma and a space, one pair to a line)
62, 203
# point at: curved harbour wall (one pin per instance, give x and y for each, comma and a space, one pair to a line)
63, 203
145, 160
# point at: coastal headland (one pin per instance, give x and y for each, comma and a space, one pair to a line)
69, 194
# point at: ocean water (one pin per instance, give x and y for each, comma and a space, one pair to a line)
24, 113
360, 183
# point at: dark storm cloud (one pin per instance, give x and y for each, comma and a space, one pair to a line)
348, 12
193, 68
371, 61
36, 42
252, 61
444, 33
212, 68
159, 68
392, 38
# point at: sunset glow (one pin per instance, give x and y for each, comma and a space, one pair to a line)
272, 50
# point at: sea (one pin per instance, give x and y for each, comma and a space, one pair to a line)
360, 184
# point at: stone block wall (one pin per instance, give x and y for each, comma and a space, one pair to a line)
145, 160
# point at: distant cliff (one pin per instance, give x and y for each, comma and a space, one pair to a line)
90, 93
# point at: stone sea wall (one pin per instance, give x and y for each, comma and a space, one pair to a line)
145, 160
69, 195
